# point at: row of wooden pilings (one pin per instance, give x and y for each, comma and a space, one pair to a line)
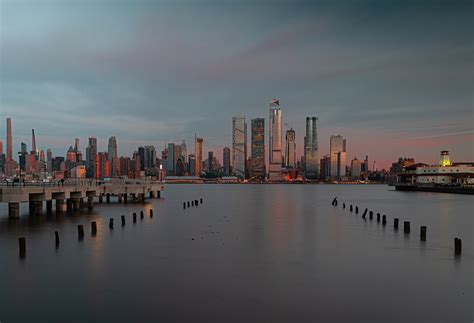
192, 203
406, 224
80, 231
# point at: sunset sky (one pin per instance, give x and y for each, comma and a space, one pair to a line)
393, 77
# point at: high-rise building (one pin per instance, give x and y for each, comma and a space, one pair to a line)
337, 149
49, 160
356, 168
239, 145
170, 160
199, 142
1, 147
226, 160
103, 165
141, 153
192, 164
184, 150
23, 155
125, 166
76, 144
258, 148
9, 140
210, 163
149, 156
112, 156
34, 149
325, 169
91, 158
311, 148
275, 141
290, 149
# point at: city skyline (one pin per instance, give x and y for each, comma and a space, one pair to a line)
361, 69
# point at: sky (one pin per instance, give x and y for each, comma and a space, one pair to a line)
395, 78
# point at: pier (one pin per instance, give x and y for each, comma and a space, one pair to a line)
72, 194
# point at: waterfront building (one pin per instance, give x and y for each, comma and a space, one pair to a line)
124, 166
91, 158
170, 160
210, 163
149, 157
311, 148
239, 146
198, 147
258, 148
71, 155
49, 161
34, 149
356, 168
325, 169
337, 148
275, 141
290, 149
191, 164
112, 155
184, 150
226, 160
9, 154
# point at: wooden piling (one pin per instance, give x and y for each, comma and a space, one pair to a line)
423, 233
457, 246
22, 246
201, 200
134, 217
80, 231
350, 208
93, 228
406, 227
395, 223
151, 213
123, 220
384, 220
371, 215
184, 205
141, 215
357, 210
111, 223
56, 236
343, 205
378, 217
189, 203
192, 203
196, 203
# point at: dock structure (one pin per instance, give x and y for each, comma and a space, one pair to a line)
72, 194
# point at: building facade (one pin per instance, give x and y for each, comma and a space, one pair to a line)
290, 149
274, 141
258, 148
337, 149
311, 148
239, 146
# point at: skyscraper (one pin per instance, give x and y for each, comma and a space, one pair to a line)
239, 145
9, 140
33, 144
49, 160
199, 142
184, 150
170, 160
210, 163
258, 148
91, 157
356, 168
76, 144
274, 141
112, 156
311, 148
226, 161
150, 156
290, 149
337, 149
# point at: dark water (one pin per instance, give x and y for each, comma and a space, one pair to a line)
261, 253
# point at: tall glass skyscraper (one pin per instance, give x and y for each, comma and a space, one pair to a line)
258, 148
290, 149
199, 142
112, 155
274, 141
91, 157
311, 148
239, 145
337, 149
226, 160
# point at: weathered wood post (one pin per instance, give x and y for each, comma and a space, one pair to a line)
378, 217
151, 213
22, 246
457, 246
123, 220
423, 233
80, 231
134, 217
189, 204
141, 215
56, 236
395, 224
192, 203
343, 205
350, 208
184, 205
406, 227
201, 200
196, 203
111, 223
357, 210
384, 220
371, 215
93, 228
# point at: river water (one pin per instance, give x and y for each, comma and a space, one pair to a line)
249, 253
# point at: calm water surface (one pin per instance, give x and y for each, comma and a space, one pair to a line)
261, 253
